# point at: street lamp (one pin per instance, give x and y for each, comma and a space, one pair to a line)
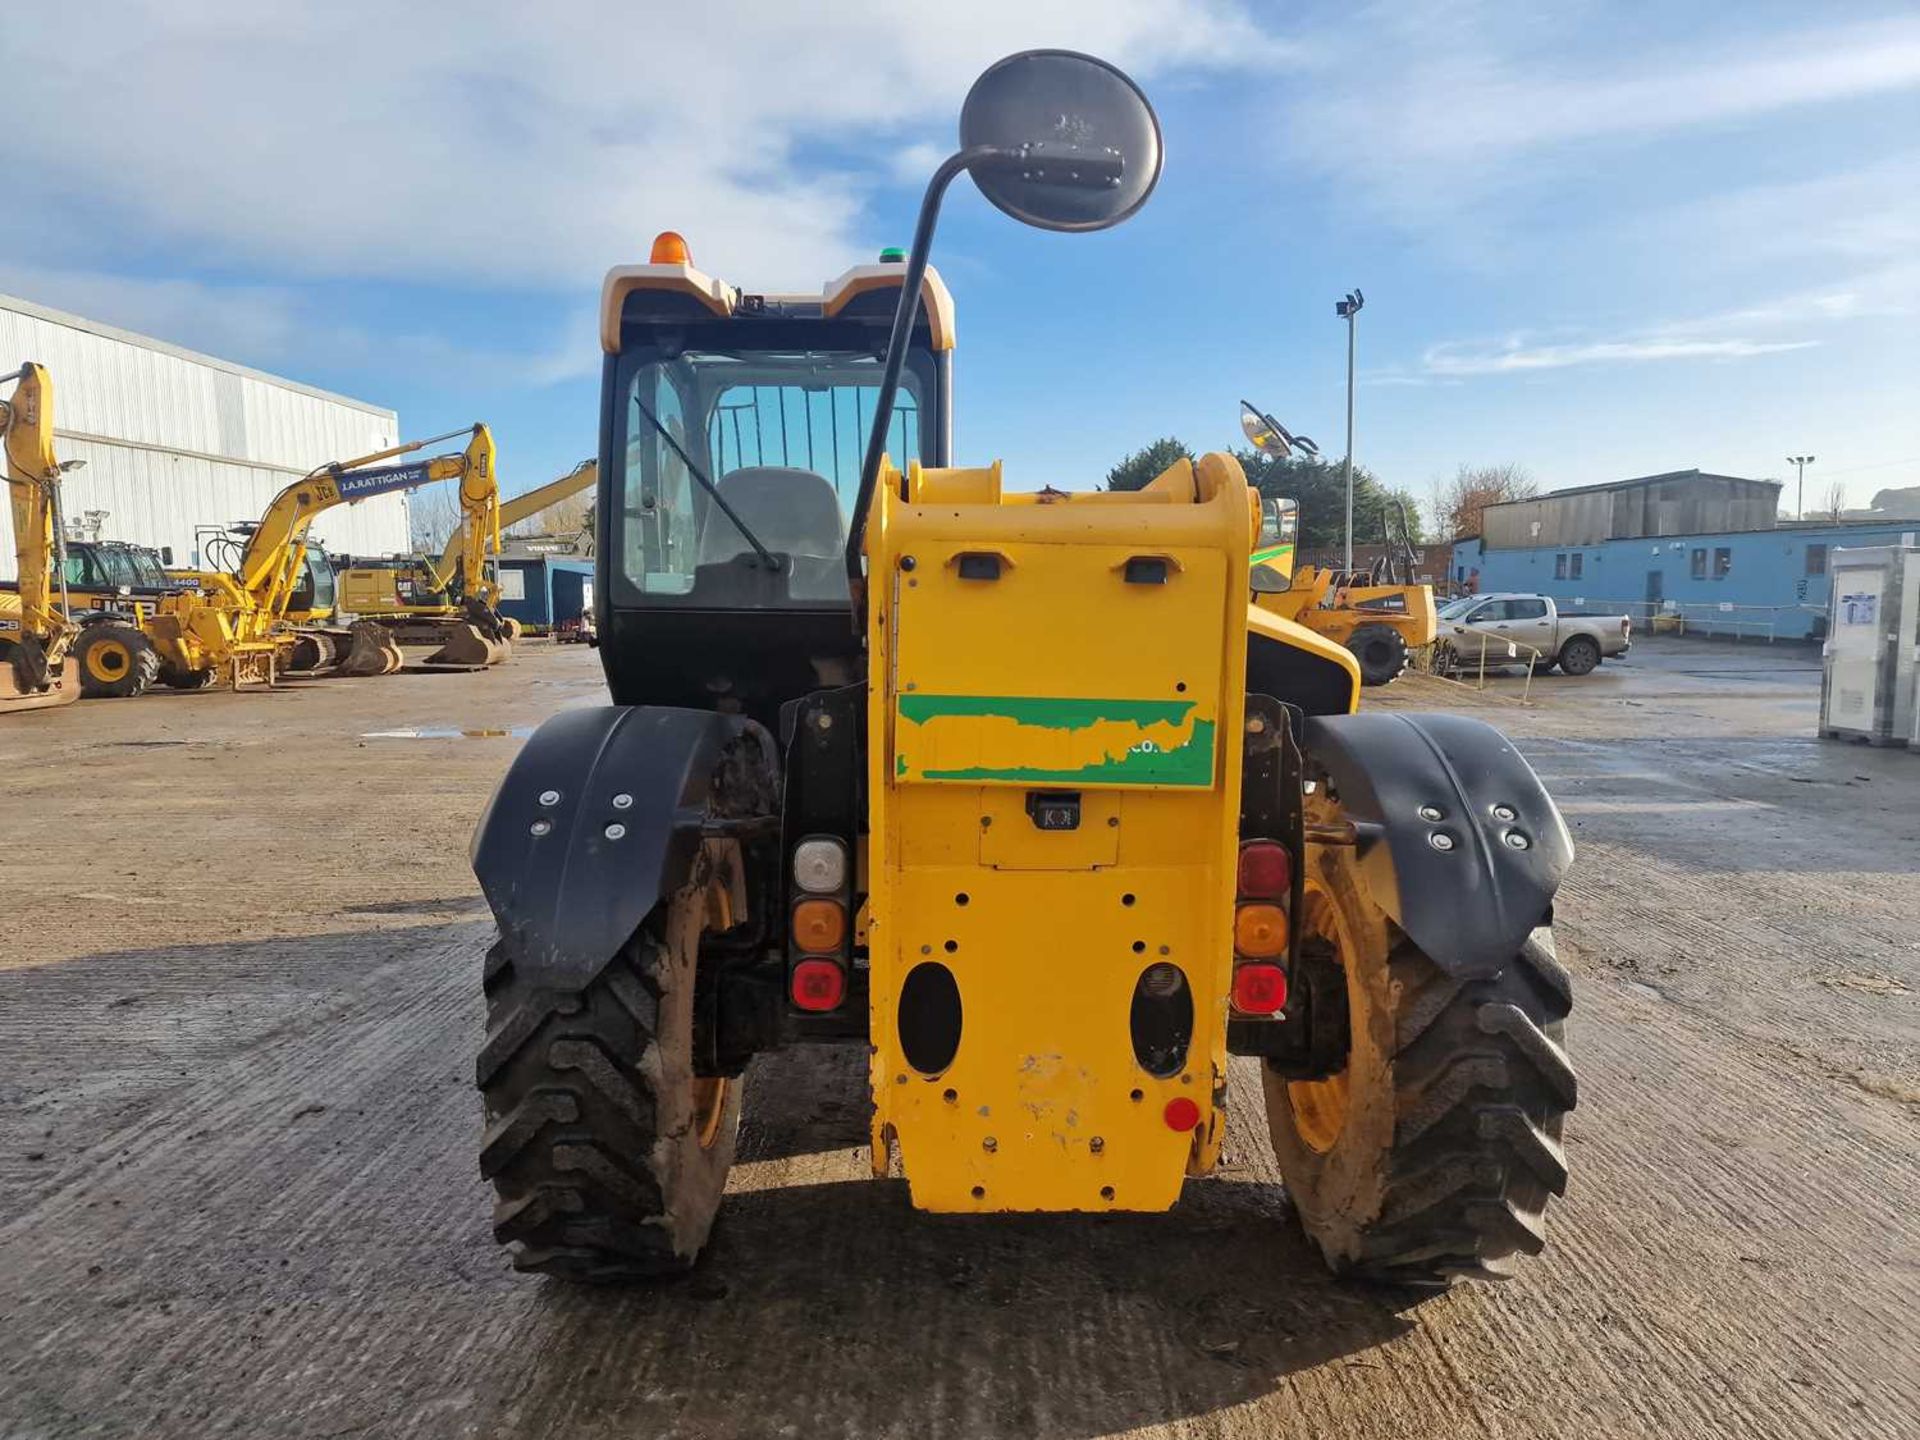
1800, 463
1346, 309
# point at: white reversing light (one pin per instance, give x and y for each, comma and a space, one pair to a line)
820, 866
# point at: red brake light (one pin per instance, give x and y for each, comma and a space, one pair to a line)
1181, 1113
817, 985
1259, 988
1266, 870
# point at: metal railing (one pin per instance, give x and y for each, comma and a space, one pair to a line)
1707, 617
1445, 661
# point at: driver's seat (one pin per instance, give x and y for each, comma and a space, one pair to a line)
791, 512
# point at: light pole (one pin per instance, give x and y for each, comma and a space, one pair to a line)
1800, 463
1346, 309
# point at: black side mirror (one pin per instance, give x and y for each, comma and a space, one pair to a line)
166, 555
1061, 140
1054, 138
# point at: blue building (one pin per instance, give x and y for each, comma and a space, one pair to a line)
1698, 546
542, 590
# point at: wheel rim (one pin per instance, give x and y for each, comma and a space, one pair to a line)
709, 1108
1320, 1106
108, 660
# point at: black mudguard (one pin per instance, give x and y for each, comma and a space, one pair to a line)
1471, 906
568, 896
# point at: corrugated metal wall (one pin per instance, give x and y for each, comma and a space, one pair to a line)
1698, 506
1688, 504
173, 440
1582, 519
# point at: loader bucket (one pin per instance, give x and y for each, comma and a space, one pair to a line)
61, 687
370, 651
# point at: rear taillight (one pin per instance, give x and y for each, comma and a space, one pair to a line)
1181, 1114
1266, 871
1259, 931
817, 984
819, 926
1259, 988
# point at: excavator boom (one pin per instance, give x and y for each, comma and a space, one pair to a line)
34, 673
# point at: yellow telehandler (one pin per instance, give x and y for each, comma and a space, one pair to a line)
1058, 824
37, 669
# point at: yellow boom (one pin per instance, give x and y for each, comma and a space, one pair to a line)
35, 637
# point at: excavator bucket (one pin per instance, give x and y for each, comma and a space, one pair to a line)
466, 647
370, 651
315, 650
41, 688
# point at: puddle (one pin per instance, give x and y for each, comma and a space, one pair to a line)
447, 732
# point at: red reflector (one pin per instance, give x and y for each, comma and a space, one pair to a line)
818, 985
1259, 988
1181, 1114
1266, 870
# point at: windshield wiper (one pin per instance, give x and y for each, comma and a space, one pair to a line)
771, 560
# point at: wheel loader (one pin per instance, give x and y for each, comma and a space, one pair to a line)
1016, 791
1379, 614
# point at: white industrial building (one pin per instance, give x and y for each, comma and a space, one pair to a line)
173, 440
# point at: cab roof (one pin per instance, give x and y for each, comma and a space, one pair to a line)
678, 291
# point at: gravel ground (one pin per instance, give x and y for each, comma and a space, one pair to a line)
239, 1001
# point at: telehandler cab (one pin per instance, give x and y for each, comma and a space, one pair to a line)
1055, 827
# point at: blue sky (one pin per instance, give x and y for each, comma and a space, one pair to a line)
1596, 239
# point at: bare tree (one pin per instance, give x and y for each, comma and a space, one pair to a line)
1459, 503
1834, 507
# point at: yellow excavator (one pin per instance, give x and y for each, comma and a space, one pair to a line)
412, 595
233, 625
37, 669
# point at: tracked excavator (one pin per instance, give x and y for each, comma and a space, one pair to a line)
414, 597
233, 624
37, 667
1014, 792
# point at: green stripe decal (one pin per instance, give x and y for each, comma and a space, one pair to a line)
1046, 711
1118, 742
1190, 763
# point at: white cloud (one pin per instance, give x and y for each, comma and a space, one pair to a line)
1516, 355
428, 142
1457, 96
281, 327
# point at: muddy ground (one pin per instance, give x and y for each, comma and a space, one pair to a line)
238, 1195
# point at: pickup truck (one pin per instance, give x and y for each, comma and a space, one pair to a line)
1518, 629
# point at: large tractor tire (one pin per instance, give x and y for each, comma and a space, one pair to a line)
1432, 1152
115, 662
1579, 656
1381, 651
607, 1152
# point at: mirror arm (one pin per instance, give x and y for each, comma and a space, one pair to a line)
904, 314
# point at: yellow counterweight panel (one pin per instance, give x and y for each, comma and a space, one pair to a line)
1058, 675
